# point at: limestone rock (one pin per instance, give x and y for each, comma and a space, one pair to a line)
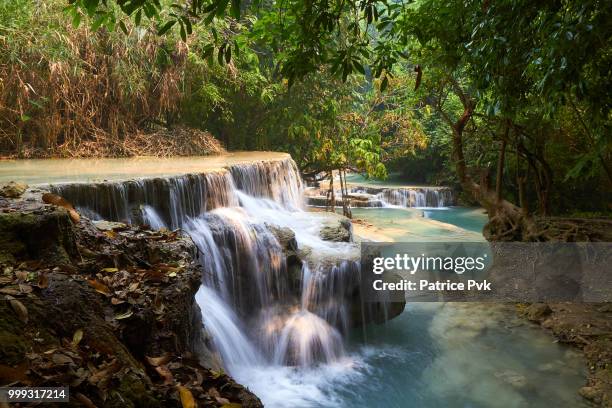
590, 393
13, 189
538, 311
67, 296
110, 226
285, 237
340, 230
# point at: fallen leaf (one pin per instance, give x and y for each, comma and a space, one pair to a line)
157, 361
105, 372
22, 275
125, 315
99, 286
165, 374
216, 374
167, 268
187, 400
43, 280
223, 401
19, 308
54, 199
23, 288
62, 359
116, 301
110, 270
154, 276
77, 337
84, 400
10, 291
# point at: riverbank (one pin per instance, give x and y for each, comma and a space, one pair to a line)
587, 327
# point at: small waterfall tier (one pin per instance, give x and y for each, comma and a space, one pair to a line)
367, 196
177, 198
276, 289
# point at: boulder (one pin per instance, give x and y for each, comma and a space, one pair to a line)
285, 237
13, 189
337, 230
537, 311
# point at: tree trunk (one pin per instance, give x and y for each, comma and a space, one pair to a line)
500, 165
346, 210
331, 193
506, 221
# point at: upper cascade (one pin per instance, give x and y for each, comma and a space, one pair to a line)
179, 198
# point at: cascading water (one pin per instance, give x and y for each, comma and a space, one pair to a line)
415, 197
258, 311
282, 329
174, 199
375, 197
249, 274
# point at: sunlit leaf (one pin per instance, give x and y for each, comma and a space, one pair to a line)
99, 286
77, 337
187, 400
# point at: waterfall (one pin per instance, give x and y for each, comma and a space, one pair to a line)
178, 198
367, 196
279, 181
226, 331
174, 199
249, 275
413, 197
259, 310
152, 218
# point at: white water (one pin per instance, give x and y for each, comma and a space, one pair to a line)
152, 219
283, 329
388, 197
226, 331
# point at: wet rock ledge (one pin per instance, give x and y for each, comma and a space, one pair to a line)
106, 309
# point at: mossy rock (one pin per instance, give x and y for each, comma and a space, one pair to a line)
13, 344
42, 234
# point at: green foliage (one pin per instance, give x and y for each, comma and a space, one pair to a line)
370, 83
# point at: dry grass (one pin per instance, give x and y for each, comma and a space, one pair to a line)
68, 92
177, 141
